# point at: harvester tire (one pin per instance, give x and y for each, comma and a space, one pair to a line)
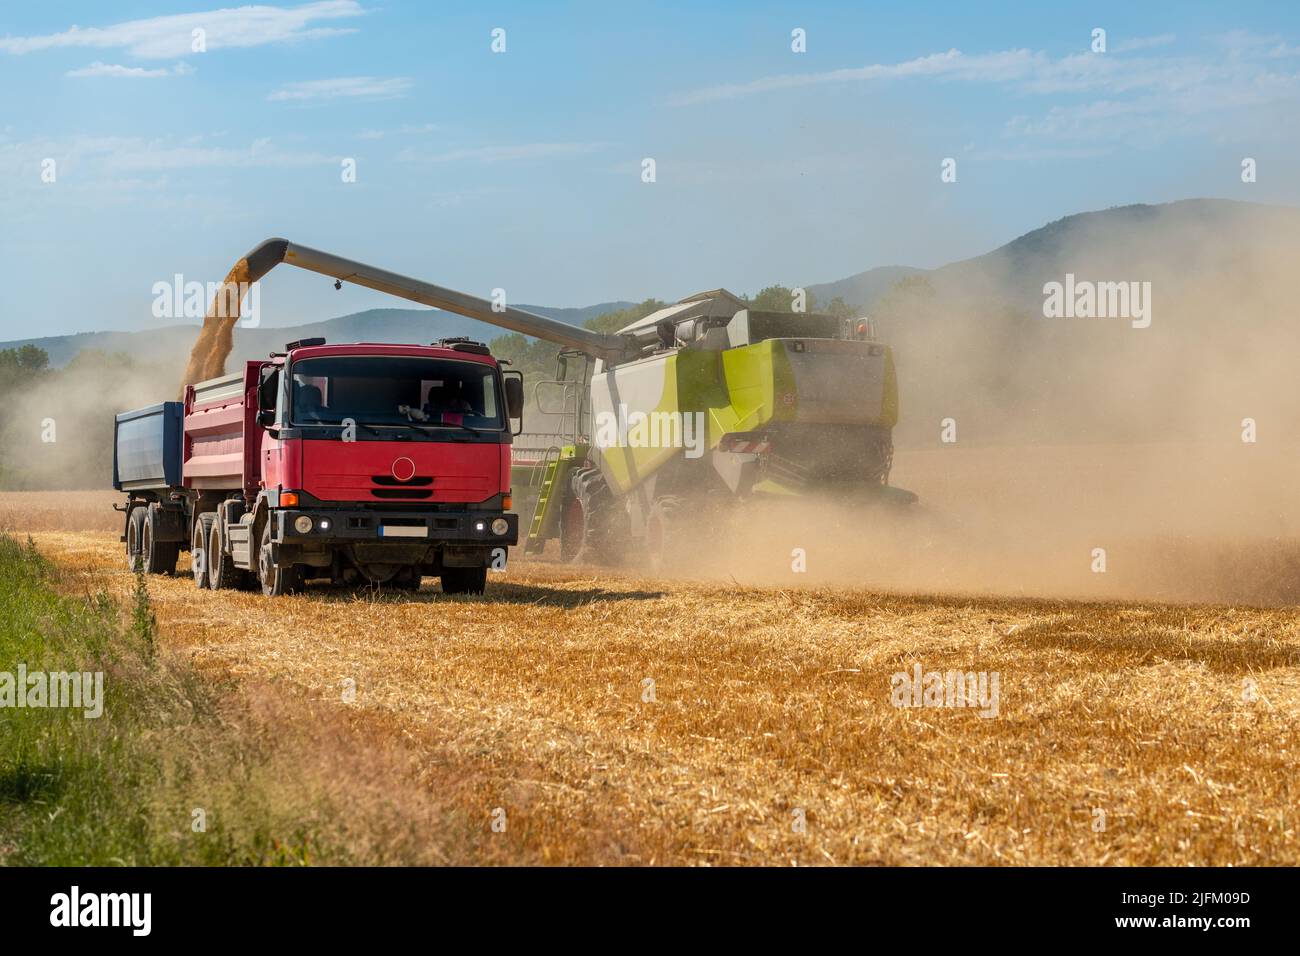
199, 548
663, 533
275, 581
159, 556
593, 526
222, 573
464, 580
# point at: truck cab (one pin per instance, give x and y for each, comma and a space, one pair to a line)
385, 462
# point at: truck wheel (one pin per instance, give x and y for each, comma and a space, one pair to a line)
597, 522
199, 548
663, 533
275, 581
222, 573
135, 540
407, 579
159, 556
464, 580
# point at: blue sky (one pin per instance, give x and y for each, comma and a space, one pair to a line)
522, 170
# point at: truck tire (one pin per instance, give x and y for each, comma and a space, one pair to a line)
159, 556
275, 581
135, 540
593, 525
407, 579
222, 573
464, 580
199, 548
663, 533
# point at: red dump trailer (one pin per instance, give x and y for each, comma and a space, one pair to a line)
375, 463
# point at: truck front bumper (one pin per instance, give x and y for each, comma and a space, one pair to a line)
331, 526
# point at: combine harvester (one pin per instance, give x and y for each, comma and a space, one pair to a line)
386, 463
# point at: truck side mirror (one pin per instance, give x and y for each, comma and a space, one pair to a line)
514, 383
266, 417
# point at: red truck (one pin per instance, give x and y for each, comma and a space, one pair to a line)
372, 463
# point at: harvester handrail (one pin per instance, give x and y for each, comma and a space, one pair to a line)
611, 348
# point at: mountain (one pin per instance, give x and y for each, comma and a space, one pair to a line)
165, 344
864, 288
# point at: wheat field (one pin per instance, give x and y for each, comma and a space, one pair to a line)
603, 717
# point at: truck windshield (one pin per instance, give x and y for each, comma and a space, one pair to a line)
395, 390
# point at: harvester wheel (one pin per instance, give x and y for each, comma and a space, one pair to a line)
222, 572
275, 581
135, 540
159, 556
593, 526
199, 548
464, 580
663, 533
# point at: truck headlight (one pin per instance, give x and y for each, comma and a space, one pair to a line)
303, 524
500, 526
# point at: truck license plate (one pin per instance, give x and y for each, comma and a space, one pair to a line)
402, 531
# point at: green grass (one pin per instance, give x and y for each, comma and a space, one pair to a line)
122, 789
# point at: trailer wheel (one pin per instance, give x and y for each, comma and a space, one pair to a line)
464, 580
199, 548
222, 573
663, 533
275, 581
159, 556
135, 540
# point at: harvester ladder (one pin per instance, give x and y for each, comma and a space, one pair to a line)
550, 467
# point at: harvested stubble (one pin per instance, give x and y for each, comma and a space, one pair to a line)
770, 700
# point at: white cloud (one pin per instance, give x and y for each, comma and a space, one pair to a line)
1144, 43
406, 129
172, 36
1140, 97
129, 72
367, 87
986, 67
106, 158
160, 155
1036, 72
498, 154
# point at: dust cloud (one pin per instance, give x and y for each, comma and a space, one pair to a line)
1079, 434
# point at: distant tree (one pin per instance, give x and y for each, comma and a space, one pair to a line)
98, 360
842, 310
912, 295
779, 298
27, 358
613, 321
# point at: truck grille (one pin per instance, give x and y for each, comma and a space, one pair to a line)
413, 488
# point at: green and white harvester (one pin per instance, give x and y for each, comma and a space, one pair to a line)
710, 404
